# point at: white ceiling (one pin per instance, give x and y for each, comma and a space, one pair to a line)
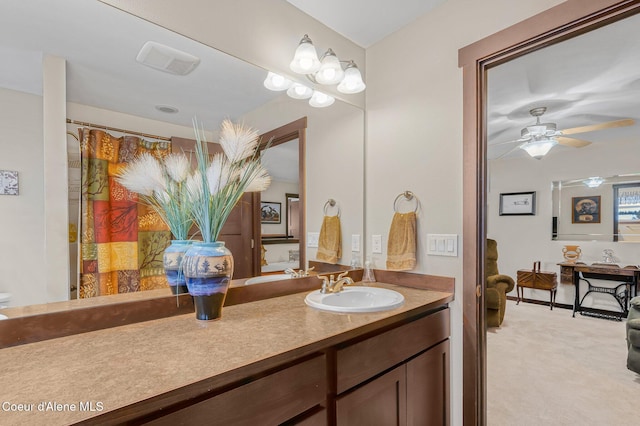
590, 79
100, 44
365, 22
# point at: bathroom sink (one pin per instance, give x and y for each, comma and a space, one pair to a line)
267, 278
3, 317
356, 299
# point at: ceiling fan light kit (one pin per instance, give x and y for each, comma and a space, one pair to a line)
327, 71
539, 148
538, 139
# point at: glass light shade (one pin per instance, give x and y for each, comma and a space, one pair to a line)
276, 82
321, 100
330, 71
538, 149
594, 182
352, 81
305, 60
299, 91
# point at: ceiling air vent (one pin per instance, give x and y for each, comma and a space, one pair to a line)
167, 59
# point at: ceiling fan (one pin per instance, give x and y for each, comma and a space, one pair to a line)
539, 138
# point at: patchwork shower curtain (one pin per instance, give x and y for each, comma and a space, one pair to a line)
122, 240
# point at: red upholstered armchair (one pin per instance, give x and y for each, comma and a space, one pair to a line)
497, 287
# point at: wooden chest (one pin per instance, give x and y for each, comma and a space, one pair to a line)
535, 278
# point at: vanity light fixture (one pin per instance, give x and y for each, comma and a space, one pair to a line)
299, 91
276, 82
321, 100
305, 60
594, 182
327, 70
538, 148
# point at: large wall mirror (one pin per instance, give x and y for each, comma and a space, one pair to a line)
609, 204
106, 86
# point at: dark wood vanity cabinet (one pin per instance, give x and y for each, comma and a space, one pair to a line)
396, 374
400, 377
414, 393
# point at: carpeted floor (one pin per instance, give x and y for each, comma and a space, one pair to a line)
546, 368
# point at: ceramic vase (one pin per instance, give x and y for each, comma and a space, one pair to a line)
571, 253
208, 268
172, 262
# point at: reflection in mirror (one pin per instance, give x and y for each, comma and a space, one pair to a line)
626, 211
280, 251
293, 213
602, 209
106, 86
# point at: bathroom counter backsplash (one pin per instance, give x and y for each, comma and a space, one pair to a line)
77, 377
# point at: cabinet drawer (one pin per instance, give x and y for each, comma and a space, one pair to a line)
272, 399
363, 360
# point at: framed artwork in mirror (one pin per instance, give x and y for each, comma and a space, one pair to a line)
518, 203
270, 212
8, 182
585, 209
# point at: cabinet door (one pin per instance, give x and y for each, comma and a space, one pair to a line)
428, 387
381, 402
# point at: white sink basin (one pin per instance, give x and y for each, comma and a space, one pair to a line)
267, 278
356, 299
3, 317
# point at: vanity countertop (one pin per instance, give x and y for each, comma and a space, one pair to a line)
120, 366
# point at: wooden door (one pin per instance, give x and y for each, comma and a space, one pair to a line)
240, 228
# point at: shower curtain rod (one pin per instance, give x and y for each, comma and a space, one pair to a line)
129, 132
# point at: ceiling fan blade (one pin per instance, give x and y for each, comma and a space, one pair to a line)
601, 126
576, 143
504, 154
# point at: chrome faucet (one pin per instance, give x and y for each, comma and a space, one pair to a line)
331, 286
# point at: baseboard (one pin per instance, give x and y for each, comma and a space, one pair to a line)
541, 302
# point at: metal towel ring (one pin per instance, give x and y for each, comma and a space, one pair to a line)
331, 203
408, 195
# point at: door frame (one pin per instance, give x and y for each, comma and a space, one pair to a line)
294, 130
566, 20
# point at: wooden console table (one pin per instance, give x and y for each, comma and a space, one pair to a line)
627, 276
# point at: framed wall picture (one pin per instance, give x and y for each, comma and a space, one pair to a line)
8, 182
518, 203
585, 209
270, 212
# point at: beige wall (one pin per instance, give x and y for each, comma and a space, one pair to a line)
414, 132
22, 269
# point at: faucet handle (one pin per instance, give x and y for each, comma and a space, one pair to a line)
342, 275
325, 283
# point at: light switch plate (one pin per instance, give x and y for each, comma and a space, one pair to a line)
312, 239
442, 245
355, 242
376, 244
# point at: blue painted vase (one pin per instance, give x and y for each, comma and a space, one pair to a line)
208, 268
172, 262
